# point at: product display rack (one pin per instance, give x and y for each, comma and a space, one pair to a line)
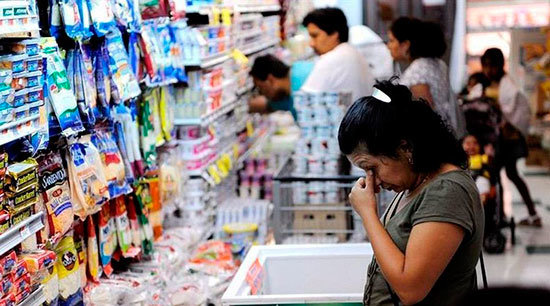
16, 234
36, 298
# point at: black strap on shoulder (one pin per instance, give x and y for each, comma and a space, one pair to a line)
483, 272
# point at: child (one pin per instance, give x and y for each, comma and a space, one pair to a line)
479, 166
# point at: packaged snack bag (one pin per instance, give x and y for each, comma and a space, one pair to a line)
122, 76
94, 270
59, 89
81, 251
112, 162
56, 194
102, 16
70, 14
67, 267
89, 186
107, 238
124, 234
21, 175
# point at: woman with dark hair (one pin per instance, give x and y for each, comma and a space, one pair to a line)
421, 45
427, 244
512, 145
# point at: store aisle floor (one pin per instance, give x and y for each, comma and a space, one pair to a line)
517, 266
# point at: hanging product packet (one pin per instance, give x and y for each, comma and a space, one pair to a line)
123, 78
149, 125
170, 176
120, 139
87, 81
70, 14
107, 238
67, 265
59, 90
153, 8
56, 194
177, 9
102, 16
132, 132
146, 230
112, 162
94, 269
124, 12
176, 29
133, 219
100, 62
123, 232
89, 186
167, 104
86, 19
169, 72
134, 55
80, 246
75, 75
151, 50
56, 24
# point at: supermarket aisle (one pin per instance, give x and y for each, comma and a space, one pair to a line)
528, 262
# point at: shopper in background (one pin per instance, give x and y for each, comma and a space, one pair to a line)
276, 82
512, 145
340, 68
427, 244
421, 45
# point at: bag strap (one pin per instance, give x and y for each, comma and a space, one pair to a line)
483, 272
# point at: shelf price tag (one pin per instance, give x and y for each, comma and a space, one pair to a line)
249, 128
25, 232
226, 159
224, 171
226, 17
235, 151
213, 172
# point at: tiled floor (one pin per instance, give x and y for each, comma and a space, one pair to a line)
516, 266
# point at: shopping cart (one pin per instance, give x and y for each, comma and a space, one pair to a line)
315, 208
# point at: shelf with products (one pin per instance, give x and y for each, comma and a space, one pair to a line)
257, 8
18, 129
210, 117
257, 47
37, 298
21, 231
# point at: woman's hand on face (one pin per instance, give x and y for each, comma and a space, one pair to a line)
363, 195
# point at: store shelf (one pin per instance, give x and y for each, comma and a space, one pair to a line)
489, 3
210, 61
261, 138
243, 90
16, 234
257, 8
26, 131
261, 46
209, 118
21, 34
37, 298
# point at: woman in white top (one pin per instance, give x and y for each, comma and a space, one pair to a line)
421, 45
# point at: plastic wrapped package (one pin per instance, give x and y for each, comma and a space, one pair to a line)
134, 223
89, 187
80, 246
123, 232
112, 162
106, 237
84, 71
42, 268
102, 16
59, 90
7, 285
117, 292
146, 230
67, 268
122, 76
100, 61
70, 15
94, 269
56, 194
148, 193
86, 19
120, 139
149, 125
153, 9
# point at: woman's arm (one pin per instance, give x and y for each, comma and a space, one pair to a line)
430, 247
423, 91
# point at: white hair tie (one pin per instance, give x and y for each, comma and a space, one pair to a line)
380, 95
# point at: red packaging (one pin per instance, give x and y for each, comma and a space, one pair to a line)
38, 263
22, 295
21, 269
22, 283
153, 9
8, 300
6, 284
4, 219
8, 263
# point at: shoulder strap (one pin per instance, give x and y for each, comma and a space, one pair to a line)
483, 272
